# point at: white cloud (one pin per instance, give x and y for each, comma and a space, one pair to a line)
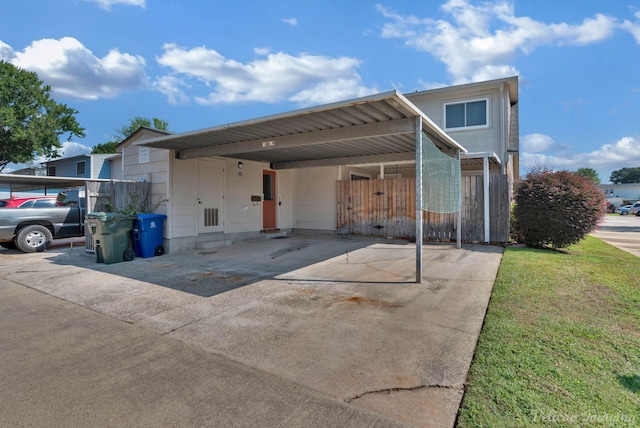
633, 27
479, 41
291, 21
536, 143
6, 52
171, 87
623, 153
106, 4
73, 71
273, 77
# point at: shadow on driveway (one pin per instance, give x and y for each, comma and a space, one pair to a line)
206, 273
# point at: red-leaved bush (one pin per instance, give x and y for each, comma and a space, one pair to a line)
556, 209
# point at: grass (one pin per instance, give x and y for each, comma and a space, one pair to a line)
561, 341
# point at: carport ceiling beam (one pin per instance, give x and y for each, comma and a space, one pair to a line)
350, 160
357, 132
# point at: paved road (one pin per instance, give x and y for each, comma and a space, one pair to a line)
622, 231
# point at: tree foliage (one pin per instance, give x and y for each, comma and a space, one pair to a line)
556, 209
104, 148
138, 121
625, 175
589, 173
31, 122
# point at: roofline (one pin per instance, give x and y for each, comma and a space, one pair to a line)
432, 127
512, 80
140, 128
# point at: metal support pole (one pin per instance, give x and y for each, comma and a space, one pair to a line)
418, 200
487, 219
459, 216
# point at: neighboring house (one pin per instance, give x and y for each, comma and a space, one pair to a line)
90, 166
622, 192
31, 170
282, 172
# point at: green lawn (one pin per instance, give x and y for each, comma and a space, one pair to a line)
561, 341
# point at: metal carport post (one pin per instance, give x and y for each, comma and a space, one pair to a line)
418, 200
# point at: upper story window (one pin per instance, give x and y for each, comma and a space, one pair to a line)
81, 168
467, 114
52, 171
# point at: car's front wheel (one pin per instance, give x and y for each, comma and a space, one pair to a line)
34, 238
624, 213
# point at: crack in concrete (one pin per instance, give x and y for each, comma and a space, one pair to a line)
459, 387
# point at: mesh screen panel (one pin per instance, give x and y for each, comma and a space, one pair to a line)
440, 179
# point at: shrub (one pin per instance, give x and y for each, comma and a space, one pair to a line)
556, 209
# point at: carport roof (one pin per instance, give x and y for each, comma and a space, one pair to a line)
30, 182
377, 128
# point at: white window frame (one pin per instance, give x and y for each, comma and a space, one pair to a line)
85, 168
465, 127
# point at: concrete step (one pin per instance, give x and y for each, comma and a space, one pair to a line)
213, 244
273, 233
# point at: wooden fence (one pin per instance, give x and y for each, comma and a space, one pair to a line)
387, 208
115, 196
118, 196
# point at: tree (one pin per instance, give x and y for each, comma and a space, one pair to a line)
589, 174
31, 122
556, 209
138, 121
625, 175
129, 128
104, 148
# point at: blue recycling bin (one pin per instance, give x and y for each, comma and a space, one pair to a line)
148, 235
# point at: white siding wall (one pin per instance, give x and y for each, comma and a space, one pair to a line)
156, 171
285, 185
183, 216
100, 167
242, 215
477, 140
315, 198
116, 169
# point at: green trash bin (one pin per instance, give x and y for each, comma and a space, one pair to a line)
111, 236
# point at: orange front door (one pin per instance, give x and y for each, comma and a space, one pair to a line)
269, 200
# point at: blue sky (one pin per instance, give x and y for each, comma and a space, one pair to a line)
203, 63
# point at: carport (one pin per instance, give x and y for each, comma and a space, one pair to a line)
22, 183
380, 128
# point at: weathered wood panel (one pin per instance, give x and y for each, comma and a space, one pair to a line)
115, 196
386, 208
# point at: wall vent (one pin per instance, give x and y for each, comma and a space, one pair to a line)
210, 217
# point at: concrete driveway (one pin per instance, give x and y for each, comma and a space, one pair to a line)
341, 316
622, 231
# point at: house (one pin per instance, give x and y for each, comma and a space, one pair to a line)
90, 166
33, 170
619, 194
283, 172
